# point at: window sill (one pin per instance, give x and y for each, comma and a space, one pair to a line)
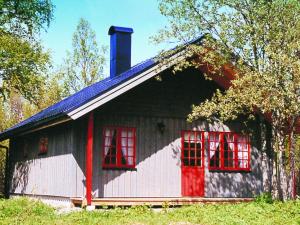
119, 168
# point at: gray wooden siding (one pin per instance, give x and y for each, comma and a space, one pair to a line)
52, 173
62, 171
157, 169
158, 172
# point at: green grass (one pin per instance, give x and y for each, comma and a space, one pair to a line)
24, 211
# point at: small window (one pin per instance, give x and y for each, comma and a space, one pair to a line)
119, 146
43, 145
228, 151
192, 151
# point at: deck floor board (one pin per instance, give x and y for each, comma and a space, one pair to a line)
156, 201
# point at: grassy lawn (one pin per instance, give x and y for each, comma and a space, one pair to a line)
24, 211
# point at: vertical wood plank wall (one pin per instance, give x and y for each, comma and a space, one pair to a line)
61, 172
52, 173
158, 172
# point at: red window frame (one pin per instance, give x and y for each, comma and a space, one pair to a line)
192, 143
228, 151
118, 147
43, 145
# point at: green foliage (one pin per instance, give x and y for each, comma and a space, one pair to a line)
141, 209
260, 38
264, 198
259, 41
25, 86
24, 211
84, 64
2, 170
23, 66
23, 62
165, 206
24, 18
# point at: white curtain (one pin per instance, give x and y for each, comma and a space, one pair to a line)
242, 152
124, 143
186, 136
109, 134
213, 145
230, 141
231, 151
127, 145
130, 147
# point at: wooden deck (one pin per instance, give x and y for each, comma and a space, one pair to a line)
156, 201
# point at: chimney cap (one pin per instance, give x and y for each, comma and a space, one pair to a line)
115, 29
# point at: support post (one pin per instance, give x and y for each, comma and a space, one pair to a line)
89, 158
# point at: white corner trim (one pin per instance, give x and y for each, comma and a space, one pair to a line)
124, 87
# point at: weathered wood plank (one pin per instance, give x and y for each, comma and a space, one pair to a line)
159, 201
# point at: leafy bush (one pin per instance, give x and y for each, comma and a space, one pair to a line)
265, 197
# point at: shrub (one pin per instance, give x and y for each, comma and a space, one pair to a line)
265, 197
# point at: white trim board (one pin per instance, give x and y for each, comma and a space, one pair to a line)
124, 87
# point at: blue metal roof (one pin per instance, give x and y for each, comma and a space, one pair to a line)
76, 100
62, 108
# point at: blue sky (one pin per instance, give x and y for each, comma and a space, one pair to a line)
142, 15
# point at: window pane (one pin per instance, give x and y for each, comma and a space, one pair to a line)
191, 149
186, 136
228, 151
214, 150
124, 133
192, 153
192, 136
185, 162
192, 145
110, 142
119, 147
130, 151
130, 142
130, 161
198, 162
43, 145
243, 150
186, 153
130, 133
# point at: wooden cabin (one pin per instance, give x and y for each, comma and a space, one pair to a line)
125, 140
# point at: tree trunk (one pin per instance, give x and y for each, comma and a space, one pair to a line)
292, 163
281, 178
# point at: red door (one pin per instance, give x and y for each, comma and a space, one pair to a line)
192, 163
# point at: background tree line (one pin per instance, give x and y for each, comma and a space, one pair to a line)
28, 81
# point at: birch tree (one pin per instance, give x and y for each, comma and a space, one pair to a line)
84, 64
23, 61
261, 40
